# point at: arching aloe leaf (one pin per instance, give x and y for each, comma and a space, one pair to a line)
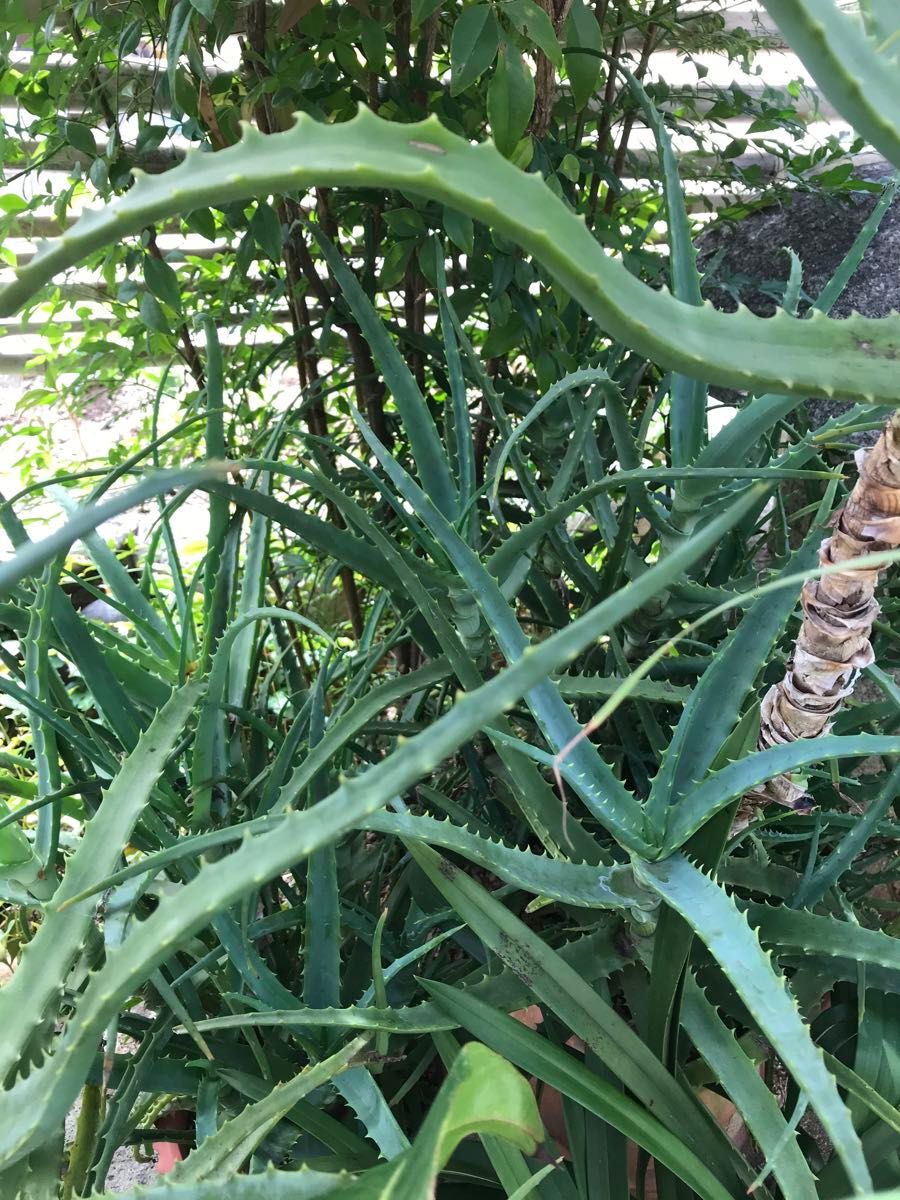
741, 1080
267, 1185
31, 556
418, 423
27, 999
846, 64
582, 884
225, 1151
853, 358
717, 922
811, 933
720, 788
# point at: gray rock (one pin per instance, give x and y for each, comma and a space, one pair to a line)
747, 260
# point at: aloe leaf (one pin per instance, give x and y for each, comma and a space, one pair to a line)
719, 789
266, 1185
251, 596
715, 703
740, 1078
460, 441
738, 350
845, 63
812, 933
46, 754
687, 403
122, 587
586, 687
581, 884
216, 578
557, 1068
31, 557
225, 1151
210, 735
830, 869
735, 946
37, 984
418, 423
863, 1091
364, 1096
577, 379
836, 285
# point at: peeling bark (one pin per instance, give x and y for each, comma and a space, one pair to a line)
838, 613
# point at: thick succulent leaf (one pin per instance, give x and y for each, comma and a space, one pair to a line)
717, 922
687, 403
418, 423
845, 62
37, 984
718, 790
716, 1043
582, 884
31, 557
224, 1152
716, 702
852, 358
797, 930
267, 1185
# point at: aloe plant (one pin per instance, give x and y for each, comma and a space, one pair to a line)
281, 840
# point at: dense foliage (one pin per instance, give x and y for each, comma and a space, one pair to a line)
452, 714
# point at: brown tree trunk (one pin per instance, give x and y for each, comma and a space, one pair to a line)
839, 610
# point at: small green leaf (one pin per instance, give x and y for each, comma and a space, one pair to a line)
395, 260
422, 10
152, 314
460, 229
206, 8
473, 46
523, 154
162, 282
202, 221
582, 33
531, 20
510, 100
99, 174
569, 168
79, 136
266, 230
179, 27
374, 44
130, 37
735, 148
